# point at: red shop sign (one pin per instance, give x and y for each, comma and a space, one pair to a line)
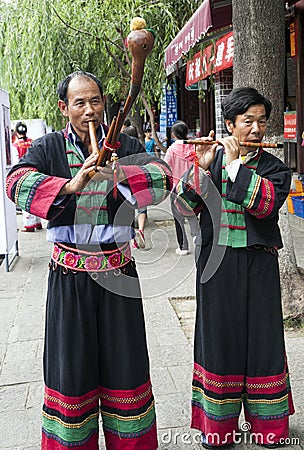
213, 59
290, 125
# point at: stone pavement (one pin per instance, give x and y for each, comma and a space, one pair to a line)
168, 285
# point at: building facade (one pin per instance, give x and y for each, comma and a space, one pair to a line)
199, 62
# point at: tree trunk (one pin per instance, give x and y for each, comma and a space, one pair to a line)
259, 61
151, 117
138, 122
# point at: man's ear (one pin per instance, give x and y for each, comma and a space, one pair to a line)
63, 108
229, 125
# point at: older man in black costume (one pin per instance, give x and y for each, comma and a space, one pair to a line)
95, 352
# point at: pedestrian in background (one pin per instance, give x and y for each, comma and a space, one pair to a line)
142, 214
239, 348
130, 130
180, 157
149, 141
21, 143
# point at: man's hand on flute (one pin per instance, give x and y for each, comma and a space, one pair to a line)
206, 152
107, 173
232, 148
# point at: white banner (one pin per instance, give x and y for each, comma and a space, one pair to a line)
8, 219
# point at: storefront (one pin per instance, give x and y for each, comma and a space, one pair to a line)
294, 86
196, 99
199, 62
198, 93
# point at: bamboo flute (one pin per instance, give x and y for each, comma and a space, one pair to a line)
242, 143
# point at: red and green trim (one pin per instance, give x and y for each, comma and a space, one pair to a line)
268, 405
269, 398
255, 193
188, 201
217, 402
266, 201
128, 416
91, 202
148, 184
69, 422
233, 225
74, 157
32, 191
217, 396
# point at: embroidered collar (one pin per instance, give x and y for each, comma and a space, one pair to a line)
251, 155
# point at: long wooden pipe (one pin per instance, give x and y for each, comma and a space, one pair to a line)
140, 42
93, 137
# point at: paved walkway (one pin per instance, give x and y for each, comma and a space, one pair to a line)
168, 290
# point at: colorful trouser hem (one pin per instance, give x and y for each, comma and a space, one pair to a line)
217, 401
128, 418
239, 348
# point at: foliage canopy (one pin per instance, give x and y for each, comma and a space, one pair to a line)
42, 41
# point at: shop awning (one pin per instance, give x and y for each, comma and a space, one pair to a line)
194, 29
210, 16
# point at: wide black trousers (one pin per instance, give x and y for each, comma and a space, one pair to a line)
239, 349
95, 357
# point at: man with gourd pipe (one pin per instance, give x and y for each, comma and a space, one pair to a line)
239, 351
95, 354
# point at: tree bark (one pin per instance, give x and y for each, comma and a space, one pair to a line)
151, 117
259, 61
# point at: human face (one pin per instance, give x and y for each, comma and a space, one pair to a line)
85, 104
250, 126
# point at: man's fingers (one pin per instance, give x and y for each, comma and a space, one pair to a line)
221, 141
90, 162
211, 135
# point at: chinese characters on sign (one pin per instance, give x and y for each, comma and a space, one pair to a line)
290, 125
213, 59
171, 104
168, 107
163, 112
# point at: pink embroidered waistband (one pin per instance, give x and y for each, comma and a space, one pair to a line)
85, 261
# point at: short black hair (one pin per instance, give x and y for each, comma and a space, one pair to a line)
21, 128
127, 122
63, 85
240, 99
180, 129
147, 127
131, 131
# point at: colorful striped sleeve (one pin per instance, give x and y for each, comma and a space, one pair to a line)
35, 192
261, 196
188, 200
150, 183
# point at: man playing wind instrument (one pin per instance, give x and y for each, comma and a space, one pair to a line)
95, 354
239, 351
